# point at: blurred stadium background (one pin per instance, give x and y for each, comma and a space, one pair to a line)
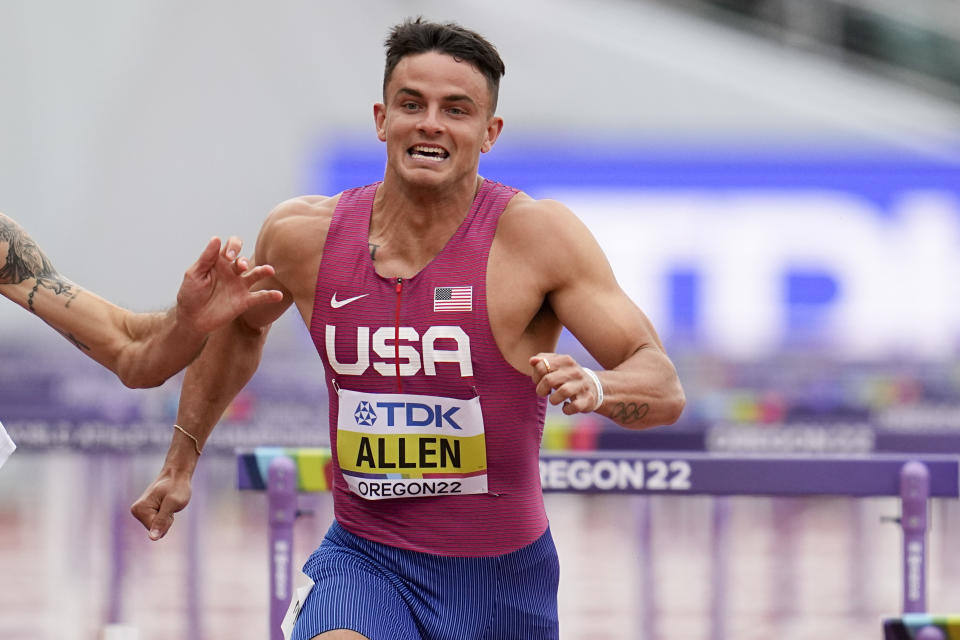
776, 182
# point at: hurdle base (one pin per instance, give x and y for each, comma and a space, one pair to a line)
922, 626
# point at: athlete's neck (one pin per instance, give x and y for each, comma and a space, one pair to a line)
424, 205
410, 227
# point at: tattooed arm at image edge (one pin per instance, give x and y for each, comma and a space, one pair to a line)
25, 260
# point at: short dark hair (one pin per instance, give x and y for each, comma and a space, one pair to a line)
420, 36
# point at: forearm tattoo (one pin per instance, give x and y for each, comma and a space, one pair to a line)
25, 260
373, 250
73, 339
629, 412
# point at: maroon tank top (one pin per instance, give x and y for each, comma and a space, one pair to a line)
446, 351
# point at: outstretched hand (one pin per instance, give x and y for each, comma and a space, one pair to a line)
216, 289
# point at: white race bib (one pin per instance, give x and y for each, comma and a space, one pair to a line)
293, 611
396, 445
6, 445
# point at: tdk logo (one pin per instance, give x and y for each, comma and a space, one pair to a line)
365, 415
407, 414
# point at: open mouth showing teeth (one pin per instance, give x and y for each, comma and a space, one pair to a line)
428, 153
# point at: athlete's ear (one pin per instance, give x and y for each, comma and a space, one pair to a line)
494, 127
380, 120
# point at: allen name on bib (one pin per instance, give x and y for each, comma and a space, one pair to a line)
410, 446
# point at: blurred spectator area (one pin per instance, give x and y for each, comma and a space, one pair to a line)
917, 42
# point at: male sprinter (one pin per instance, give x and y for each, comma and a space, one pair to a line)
435, 299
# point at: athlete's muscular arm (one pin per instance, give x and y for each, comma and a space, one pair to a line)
288, 239
223, 368
640, 384
143, 349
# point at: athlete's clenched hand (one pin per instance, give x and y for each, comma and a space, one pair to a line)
168, 494
561, 378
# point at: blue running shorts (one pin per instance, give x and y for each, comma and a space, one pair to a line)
387, 593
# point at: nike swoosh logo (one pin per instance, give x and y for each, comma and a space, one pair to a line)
336, 304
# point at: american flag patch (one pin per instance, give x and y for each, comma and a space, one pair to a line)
453, 299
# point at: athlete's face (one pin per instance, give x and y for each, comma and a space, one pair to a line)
436, 120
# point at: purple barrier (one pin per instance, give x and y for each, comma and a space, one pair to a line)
282, 511
913, 479
727, 474
914, 491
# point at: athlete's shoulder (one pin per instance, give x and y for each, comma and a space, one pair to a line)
524, 215
300, 216
545, 232
294, 226
303, 210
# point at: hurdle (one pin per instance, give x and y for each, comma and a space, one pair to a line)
285, 472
